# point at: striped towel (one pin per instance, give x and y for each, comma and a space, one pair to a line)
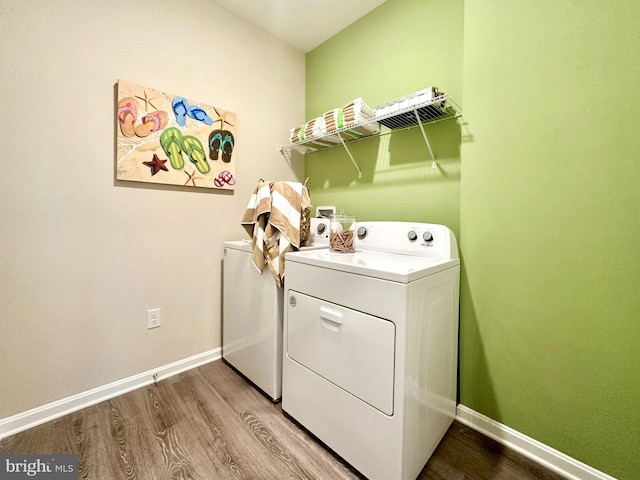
272, 219
255, 220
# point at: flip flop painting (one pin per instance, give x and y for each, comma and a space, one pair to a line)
172, 140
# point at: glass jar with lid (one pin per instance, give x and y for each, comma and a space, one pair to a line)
342, 230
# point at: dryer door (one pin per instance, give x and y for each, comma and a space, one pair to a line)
351, 349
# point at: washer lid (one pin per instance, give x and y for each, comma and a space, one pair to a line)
386, 266
242, 245
245, 245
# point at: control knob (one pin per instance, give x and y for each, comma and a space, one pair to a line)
427, 236
321, 228
412, 235
362, 232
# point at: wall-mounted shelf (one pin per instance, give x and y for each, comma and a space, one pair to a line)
417, 109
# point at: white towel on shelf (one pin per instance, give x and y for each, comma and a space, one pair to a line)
356, 111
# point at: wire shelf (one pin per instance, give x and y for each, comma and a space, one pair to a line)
417, 109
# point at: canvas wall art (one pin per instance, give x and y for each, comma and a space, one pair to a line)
173, 140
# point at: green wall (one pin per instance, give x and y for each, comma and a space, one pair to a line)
401, 47
541, 184
550, 324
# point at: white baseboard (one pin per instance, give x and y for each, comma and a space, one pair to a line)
539, 452
39, 415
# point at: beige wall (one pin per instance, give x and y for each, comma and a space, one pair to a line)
83, 256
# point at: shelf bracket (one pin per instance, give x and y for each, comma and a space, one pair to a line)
350, 156
426, 140
286, 153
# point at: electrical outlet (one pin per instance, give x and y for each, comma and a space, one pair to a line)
154, 318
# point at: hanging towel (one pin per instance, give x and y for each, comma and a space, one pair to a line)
272, 219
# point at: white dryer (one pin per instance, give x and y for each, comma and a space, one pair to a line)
370, 345
252, 313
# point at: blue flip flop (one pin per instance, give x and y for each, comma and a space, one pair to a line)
197, 113
226, 147
180, 108
215, 140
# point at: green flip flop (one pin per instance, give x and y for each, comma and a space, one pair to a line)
193, 148
171, 141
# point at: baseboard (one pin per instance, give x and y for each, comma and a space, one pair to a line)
36, 416
539, 452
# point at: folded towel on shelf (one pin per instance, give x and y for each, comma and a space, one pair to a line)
344, 120
354, 120
356, 111
272, 219
333, 119
313, 135
294, 134
314, 127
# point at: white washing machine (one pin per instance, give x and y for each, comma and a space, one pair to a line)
371, 342
252, 313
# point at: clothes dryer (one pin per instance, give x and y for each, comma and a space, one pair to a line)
370, 345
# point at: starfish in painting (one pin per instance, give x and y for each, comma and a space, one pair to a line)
156, 165
222, 118
192, 177
147, 100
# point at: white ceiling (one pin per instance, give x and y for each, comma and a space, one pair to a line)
303, 24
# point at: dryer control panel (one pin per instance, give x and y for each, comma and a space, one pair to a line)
319, 231
407, 238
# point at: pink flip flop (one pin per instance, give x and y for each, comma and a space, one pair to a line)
127, 116
152, 122
226, 177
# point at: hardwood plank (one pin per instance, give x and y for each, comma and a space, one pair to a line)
467, 454
222, 436
210, 423
320, 462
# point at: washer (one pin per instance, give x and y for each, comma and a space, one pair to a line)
371, 342
252, 313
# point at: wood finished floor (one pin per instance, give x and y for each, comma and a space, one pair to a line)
210, 424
